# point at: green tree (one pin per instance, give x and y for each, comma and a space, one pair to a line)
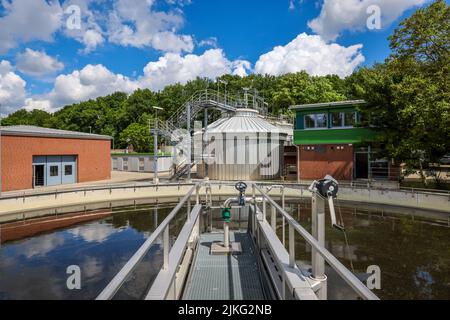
138, 135
31, 118
408, 95
301, 88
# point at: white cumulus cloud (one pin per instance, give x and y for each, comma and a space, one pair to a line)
174, 68
27, 20
96, 80
88, 83
339, 15
135, 23
37, 63
90, 33
312, 54
12, 88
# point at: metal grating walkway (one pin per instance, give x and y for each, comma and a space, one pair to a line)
221, 277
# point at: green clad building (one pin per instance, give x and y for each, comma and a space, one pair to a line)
331, 139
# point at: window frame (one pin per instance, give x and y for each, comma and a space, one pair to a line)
315, 117
343, 120
65, 170
52, 173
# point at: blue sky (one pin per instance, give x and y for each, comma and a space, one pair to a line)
124, 45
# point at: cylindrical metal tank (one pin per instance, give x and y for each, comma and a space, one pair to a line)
242, 147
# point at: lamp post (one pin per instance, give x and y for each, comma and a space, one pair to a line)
155, 146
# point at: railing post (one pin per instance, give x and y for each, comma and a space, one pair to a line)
197, 194
189, 209
264, 208
318, 232
273, 219
166, 248
254, 210
291, 246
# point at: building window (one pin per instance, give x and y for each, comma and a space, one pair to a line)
68, 170
350, 119
310, 122
343, 119
337, 119
141, 164
54, 171
316, 121
321, 121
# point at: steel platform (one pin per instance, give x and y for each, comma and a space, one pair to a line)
224, 277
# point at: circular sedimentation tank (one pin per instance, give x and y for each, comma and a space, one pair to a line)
242, 147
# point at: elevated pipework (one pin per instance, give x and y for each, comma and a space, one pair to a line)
241, 200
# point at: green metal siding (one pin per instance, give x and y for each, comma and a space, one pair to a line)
300, 121
334, 136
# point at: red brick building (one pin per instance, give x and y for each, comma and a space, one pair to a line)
316, 161
37, 157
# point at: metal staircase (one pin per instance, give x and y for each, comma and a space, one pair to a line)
204, 99
174, 128
214, 99
181, 170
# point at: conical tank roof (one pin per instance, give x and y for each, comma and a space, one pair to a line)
244, 121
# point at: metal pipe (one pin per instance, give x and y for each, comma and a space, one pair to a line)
226, 234
227, 203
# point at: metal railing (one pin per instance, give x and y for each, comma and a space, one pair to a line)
293, 227
212, 98
163, 229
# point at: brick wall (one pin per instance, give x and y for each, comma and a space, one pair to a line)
93, 158
320, 160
